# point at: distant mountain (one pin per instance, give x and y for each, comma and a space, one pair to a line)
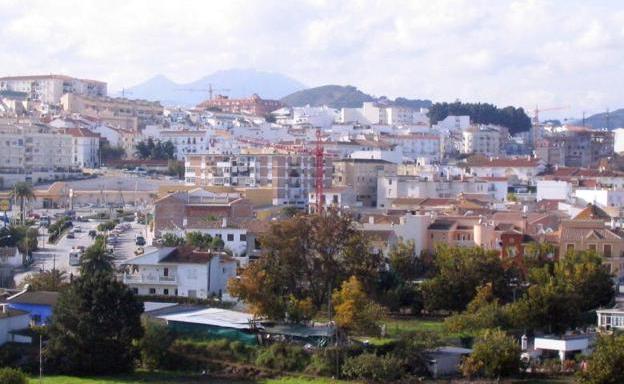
238, 82
335, 96
599, 120
338, 96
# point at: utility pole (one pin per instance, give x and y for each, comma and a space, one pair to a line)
40, 359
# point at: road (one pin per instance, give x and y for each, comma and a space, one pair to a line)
50, 256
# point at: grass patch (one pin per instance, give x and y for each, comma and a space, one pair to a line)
305, 380
137, 378
398, 327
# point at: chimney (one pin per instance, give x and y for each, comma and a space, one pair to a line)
224, 223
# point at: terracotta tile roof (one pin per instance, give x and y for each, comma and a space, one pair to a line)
576, 234
504, 162
80, 132
592, 212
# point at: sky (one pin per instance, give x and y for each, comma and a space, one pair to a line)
565, 53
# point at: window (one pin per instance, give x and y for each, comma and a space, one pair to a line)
166, 272
592, 247
166, 292
606, 250
243, 237
135, 291
152, 291
570, 248
230, 237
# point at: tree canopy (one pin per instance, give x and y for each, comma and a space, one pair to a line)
515, 119
606, 365
305, 257
155, 150
95, 321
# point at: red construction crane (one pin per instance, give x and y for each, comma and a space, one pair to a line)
538, 110
319, 161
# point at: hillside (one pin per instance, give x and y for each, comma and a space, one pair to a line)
339, 96
335, 96
239, 82
599, 120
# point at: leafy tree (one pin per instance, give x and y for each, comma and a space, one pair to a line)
606, 364
217, 244
154, 345
484, 311
536, 255
306, 256
10, 375
108, 152
515, 119
23, 192
199, 240
171, 240
95, 322
368, 366
494, 355
404, 262
459, 272
155, 150
176, 168
355, 312
413, 347
20, 236
53, 280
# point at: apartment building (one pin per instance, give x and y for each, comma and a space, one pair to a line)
181, 271
50, 88
361, 175
121, 112
85, 147
288, 178
416, 145
384, 113
186, 141
482, 140
576, 147
254, 105
34, 153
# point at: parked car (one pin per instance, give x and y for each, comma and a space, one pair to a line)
92, 233
71, 235
77, 229
140, 241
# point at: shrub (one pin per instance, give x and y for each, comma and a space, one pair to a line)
107, 225
155, 345
222, 349
283, 358
12, 376
369, 366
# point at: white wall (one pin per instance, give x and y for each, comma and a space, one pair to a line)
12, 323
553, 190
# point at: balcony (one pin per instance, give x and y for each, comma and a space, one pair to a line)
149, 279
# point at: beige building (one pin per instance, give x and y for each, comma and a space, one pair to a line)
288, 177
34, 153
482, 140
50, 88
121, 112
361, 175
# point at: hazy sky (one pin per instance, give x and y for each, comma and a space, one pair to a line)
551, 53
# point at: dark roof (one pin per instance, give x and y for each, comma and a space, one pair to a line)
188, 255
441, 225
35, 297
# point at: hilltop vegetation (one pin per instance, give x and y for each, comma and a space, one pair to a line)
483, 113
335, 96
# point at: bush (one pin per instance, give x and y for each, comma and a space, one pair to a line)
222, 349
369, 366
12, 376
107, 225
155, 345
283, 357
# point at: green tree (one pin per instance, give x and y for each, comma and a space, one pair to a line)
108, 152
52, 280
494, 355
482, 113
96, 259
12, 376
306, 256
217, 244
355, 311
23, 192
459, 272
95, 322
606, 364
176, 168
154, 345
171, 240
397, 287
484, 311
199, 240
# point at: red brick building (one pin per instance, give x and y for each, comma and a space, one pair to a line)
253, 105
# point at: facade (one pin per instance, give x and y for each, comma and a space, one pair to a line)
180, 271
85, 147
50, 88
288, 177
186, 141
254, 105
117, 111
12, 320
33, 153
482, 140
361, 175
417, 145
522, 169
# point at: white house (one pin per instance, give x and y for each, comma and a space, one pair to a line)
11, 257
618, 140
521, 169
603, 198
85, 147
181, 271
553, 190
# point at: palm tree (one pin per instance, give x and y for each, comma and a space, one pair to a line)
24, 192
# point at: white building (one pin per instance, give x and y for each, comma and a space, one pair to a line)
186, 141
34, 153
603, 198
50, 88
386, 114
85, 147
618, 140
180, 272
12, 320
481, 140
553, 190
453, 123
417, 145
522, 169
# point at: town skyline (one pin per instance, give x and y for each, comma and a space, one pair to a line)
544, 53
